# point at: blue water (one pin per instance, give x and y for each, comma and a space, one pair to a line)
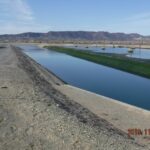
137, 53
113, 83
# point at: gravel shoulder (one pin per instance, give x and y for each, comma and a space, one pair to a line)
35, 115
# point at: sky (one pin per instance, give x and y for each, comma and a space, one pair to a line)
128, 16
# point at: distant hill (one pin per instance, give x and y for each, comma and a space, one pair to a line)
72, 35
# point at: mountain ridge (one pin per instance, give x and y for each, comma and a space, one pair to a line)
74, 35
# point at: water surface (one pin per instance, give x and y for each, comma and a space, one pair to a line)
137, 53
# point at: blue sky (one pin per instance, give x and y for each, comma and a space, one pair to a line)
129, 16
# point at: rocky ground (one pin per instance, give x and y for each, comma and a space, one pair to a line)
35, 116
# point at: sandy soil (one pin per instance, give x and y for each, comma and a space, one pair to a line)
36, 116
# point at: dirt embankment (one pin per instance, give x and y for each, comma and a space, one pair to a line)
34, 115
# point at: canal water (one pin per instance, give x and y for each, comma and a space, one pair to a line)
106, 81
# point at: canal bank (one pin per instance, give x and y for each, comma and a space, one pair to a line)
35, 115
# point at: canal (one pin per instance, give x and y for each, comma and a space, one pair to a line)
106, 81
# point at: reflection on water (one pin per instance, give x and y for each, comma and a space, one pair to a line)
97, 78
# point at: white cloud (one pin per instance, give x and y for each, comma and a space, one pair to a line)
23, 10
16, 16
137, 23
139, 17
16, 9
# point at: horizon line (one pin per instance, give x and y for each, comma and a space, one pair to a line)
74, 31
